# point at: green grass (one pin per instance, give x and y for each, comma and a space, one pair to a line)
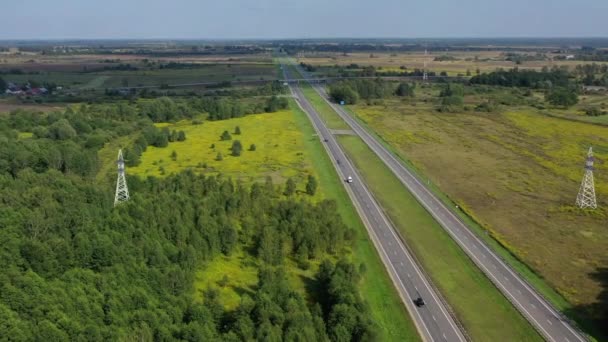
469, 292
280, 152
329, 116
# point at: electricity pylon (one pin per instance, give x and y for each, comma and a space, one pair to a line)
122, 192
425, 76
586, 194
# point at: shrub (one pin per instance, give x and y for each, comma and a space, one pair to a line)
252, 147
237, 130
219, 156
225, 136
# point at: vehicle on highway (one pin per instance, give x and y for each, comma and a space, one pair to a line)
419, 302
349, 179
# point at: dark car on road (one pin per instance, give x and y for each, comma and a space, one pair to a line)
419, 302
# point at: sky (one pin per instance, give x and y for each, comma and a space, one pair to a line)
268, 19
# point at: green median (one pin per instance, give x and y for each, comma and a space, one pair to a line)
485, 313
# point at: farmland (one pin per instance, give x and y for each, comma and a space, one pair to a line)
458, 62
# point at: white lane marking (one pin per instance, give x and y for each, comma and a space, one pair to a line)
448, 317
534, 306
519, 291
409, 275
550, 322
401, 263
434, 319
358, 127
445, 338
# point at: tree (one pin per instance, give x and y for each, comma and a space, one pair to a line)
3, 85
181, 136
219, 156
225, 136
342, 92
61, 130
236, 148
237, 130
405, 89
290, 187
562, 97
174, 155
252, 147
311, 185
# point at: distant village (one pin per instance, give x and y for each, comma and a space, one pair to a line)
25, 90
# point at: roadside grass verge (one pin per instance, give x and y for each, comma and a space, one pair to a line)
486, 314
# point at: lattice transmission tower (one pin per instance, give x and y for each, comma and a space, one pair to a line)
122, 192
586, 194
425, 76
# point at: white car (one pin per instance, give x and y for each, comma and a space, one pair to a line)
349, 179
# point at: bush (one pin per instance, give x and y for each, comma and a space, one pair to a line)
219, 156
237, 130
252, 147
594, 111
311, 185
225, 136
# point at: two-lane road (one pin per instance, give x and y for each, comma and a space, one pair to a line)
547, 320
432, 320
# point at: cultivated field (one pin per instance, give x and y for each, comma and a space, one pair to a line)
485, 61
517, 173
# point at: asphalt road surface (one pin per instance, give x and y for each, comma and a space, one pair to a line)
432, 320
540, 313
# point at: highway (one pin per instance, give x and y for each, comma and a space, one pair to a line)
433, 321
539, 312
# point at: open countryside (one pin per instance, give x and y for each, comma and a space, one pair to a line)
229, 171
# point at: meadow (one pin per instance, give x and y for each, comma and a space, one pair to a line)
279, 150
516, 172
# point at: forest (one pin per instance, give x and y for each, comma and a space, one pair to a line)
74, 267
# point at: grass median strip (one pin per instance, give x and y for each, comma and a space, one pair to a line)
486, 314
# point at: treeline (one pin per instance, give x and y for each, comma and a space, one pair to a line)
350, 91
223, 108
544, 79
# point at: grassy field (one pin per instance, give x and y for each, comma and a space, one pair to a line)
286, 147
485, 61
526, 169
280, 151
